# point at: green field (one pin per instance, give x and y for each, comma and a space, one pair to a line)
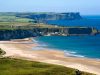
10, 66
7, 20
4, 18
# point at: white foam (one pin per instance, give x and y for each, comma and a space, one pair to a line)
72, 54
78, 56
40, 44
35, 41
70, 51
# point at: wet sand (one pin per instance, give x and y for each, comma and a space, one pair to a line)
25, 49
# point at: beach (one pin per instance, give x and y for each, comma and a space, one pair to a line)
26, 49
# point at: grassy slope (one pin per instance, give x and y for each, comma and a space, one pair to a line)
4, 18
10, 66
9, 19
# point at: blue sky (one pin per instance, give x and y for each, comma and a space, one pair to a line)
85, 7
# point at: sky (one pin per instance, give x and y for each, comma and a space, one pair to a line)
85, 7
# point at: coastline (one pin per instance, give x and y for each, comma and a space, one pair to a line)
24, 49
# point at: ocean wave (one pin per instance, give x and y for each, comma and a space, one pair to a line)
72, 54
35, 41
40, 44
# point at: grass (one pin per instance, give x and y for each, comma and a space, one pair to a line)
22, 25
13, 18
10, 66
7, 20
15, 25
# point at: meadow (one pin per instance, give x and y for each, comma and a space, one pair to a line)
9, 66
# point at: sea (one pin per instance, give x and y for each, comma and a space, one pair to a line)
75, 46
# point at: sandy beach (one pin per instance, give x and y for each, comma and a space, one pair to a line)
25, 49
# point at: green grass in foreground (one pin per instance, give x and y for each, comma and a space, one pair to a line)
10, 66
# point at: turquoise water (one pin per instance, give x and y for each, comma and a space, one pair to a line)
77, 46
86, 46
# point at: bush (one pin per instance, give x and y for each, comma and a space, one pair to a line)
2, 52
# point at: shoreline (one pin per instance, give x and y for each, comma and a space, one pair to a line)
23, 49
66, 53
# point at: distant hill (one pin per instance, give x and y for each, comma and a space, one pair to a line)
42, 17
37, 16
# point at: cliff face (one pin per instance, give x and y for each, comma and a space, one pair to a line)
68, 16
51, 16
20, 33
17, 34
